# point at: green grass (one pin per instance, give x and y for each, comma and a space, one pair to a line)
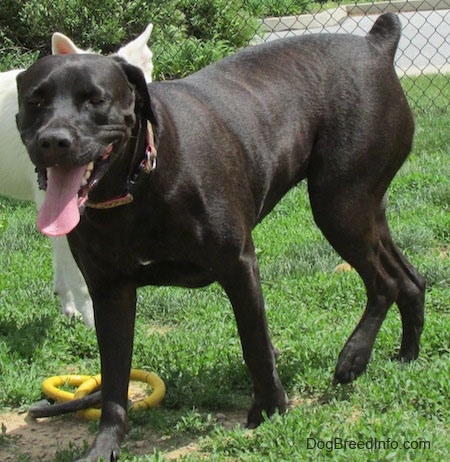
188, 337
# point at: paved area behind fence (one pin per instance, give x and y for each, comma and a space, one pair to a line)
423, 48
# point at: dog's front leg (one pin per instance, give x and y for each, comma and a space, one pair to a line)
243, 286
114, 308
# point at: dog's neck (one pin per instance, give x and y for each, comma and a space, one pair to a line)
141, 165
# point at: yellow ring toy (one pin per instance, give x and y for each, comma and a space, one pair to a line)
87, 384
93, 383
50, 386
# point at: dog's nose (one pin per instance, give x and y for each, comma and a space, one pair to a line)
55, 145
55, 140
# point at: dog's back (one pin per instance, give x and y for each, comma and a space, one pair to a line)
350, 81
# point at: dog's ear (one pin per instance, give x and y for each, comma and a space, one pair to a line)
138, 53
19, 116
137, 80
19, 78
62, 45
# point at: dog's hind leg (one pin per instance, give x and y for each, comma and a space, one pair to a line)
354, 222
410, 301
243, 287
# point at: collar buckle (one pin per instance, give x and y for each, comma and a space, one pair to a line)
148, 163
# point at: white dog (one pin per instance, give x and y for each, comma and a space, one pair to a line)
18, 178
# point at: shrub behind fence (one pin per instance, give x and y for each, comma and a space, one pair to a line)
189, 34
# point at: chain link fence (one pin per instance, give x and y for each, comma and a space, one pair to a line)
424, 48
423, 53
425, 43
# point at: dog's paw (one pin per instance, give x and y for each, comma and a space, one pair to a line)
106, 447
407, 355
351, 364
111, 457
261, 410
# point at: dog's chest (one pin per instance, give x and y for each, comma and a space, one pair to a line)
141, 248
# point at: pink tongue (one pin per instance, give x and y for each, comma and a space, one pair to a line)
59, 213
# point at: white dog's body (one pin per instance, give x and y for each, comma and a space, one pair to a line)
16, 169
18, 179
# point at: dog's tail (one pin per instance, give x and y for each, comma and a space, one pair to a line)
386, 33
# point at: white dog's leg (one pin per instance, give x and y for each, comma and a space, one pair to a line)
69, 283
18, 178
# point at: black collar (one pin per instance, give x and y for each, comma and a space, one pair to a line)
146, 166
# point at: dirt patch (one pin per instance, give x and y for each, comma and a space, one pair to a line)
41, 439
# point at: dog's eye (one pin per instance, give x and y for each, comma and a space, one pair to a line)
96, 101
35, 102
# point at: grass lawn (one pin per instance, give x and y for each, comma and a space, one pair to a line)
188, 337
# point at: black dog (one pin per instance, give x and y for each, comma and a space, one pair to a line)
178, 207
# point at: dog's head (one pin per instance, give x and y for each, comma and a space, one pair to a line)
76, 116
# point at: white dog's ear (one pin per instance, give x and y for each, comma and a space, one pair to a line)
62, 45
139, 54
